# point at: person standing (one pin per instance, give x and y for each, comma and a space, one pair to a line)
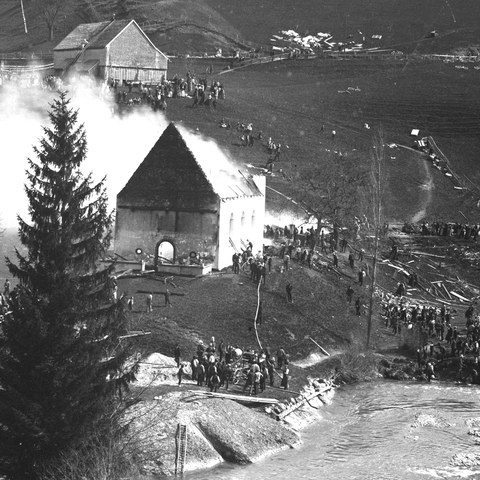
430, 371
194, 364
257, 376
249, 382
271, 370
177, 355
214, 381
350, 293
236, 263
149, 302
168, 303
351, 260
221, 350
358, 306
180, 373
263, 273
335, 259
130, 304
200, 374
289, 289
286, 375
361, 276
419, 358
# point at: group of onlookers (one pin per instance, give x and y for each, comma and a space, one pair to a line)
445, 229
216, 366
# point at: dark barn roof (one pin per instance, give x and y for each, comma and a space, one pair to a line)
184, 175
99, 35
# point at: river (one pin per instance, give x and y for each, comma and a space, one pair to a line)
381, 430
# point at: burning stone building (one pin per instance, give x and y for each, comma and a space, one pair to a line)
118, 49
186, 200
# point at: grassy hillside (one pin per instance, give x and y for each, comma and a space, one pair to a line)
401, 22
291, 100
186, 26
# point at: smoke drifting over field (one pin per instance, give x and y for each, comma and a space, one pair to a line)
116, 144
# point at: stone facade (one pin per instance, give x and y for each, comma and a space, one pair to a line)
172, 198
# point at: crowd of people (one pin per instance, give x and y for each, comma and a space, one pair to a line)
434, 322
445, 229
29, 79
156, 94
215, 366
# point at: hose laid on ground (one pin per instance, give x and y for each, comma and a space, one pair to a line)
256, 315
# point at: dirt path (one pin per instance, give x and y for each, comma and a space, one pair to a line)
427, 186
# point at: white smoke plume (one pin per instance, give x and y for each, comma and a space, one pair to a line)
219, 167
116, 144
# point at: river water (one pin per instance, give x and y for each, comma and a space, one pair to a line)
381, 430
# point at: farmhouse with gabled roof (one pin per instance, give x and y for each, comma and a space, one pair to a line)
118, 49
187, 202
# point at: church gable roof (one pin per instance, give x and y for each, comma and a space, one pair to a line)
185, 172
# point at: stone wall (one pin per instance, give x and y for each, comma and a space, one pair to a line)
145, 229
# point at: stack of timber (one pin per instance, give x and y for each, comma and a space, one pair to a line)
434, 283
311, 393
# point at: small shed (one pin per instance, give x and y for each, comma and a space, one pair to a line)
187, 202
118, 49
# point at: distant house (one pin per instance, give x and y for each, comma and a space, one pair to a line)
186, 203
118, 49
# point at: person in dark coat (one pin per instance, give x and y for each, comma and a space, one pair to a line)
351, 260
358, 306
180, 373
289, 288
350, 293
200, 374
168, 303
177, 355
286, 375
214, 382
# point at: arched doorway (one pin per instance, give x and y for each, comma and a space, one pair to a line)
165, 252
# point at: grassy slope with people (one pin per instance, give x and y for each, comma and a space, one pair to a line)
291, 100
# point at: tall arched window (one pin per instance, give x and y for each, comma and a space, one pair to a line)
232, 224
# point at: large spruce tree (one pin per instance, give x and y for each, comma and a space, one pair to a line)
60, 355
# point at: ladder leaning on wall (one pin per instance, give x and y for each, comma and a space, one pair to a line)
233, 244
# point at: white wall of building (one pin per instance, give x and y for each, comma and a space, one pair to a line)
241, 220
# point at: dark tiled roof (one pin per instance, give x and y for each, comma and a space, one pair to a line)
99, 35
185, 172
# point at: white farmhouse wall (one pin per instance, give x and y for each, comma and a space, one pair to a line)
241, 220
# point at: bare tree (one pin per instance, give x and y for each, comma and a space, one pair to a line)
331, 191
99, 10
50, 11
374, 206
